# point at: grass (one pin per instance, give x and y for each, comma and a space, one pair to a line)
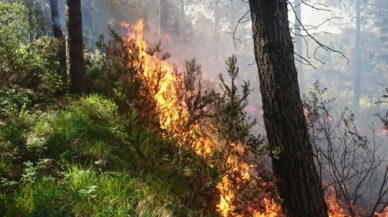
79, 161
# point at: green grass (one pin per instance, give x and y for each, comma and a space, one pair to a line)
85, 191
81, 161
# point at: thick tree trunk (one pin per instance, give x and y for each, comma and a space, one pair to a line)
298, 42
74, 47
56, 18
285, 123
163, 25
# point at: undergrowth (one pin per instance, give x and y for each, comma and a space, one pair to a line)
107, 153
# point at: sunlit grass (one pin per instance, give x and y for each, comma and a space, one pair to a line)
85, 191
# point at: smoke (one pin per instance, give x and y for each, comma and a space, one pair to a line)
191, 34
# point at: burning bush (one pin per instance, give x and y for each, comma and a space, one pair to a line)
207, 134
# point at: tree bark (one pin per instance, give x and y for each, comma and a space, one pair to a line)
285, 123
74, 47
56, 18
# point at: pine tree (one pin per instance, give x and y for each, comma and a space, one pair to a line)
285, 123
74, 47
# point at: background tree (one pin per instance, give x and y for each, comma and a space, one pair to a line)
56, 18
74, 47
285, 123
353, 9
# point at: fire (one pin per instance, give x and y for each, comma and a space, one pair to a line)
335, 210
169, 115
228, 194
271, 209
151, 66
384, 214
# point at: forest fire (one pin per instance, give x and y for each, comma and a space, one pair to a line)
167, 100
172, 115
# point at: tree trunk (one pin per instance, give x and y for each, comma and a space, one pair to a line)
163, 24
31, 23
357, 76
285, 123
74, 47
298, 42
92, 24
56, 18
233, 24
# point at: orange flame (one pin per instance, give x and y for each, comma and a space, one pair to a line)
384, 214
166, 97
171, 115
335, 210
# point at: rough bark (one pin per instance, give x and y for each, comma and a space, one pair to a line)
163, 25
74, 47
285, 123
56, 18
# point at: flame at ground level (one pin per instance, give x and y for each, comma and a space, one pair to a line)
169, 116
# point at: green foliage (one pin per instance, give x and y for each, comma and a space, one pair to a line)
236, 124
119, 75
107, 154
33, 69
13, 24
11, 101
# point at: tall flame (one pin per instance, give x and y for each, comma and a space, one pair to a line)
167, 99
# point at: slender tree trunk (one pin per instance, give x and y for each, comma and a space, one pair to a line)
232, 29
163, 24
56, 18
357, 75
31, 23
285, 123
298, 43
92, 24
74, 47
40, 29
